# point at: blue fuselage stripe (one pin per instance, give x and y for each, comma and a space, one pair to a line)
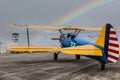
106, 40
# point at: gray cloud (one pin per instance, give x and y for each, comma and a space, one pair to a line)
46, 12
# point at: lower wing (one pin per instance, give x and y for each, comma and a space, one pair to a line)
89, 50
33, 48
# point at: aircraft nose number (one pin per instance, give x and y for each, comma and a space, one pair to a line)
73, 44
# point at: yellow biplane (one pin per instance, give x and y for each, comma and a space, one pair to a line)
105, 49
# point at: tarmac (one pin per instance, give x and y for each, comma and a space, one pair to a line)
41, 66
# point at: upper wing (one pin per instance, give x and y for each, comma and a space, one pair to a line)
80, 50
58, 27
54, 27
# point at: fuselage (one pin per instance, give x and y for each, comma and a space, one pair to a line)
69, 42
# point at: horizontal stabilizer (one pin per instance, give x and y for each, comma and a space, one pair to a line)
88, 50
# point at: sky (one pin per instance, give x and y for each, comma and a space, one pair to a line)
88, 13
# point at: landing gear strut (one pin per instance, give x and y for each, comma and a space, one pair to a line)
56, 56
77, 57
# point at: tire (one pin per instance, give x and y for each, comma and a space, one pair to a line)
77, 57
55, 56
102, 66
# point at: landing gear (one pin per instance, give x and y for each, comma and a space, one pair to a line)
56, 56
77, 57
102, 66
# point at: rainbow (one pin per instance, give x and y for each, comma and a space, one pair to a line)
79, 11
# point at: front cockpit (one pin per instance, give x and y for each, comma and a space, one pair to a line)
69, 38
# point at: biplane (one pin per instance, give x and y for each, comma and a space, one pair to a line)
105, 49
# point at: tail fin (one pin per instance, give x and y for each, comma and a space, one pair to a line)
109, 41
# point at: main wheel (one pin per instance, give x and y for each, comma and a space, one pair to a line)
77, 57
55, 56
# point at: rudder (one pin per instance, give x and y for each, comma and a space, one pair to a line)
109, 41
